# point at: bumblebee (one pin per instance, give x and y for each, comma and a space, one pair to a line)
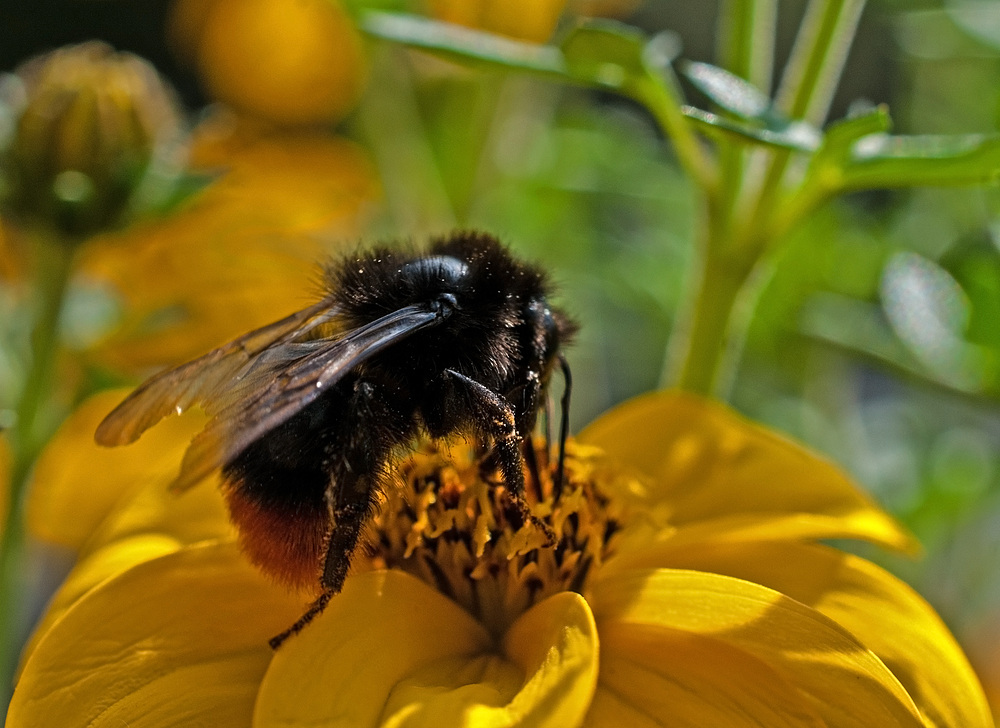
308, 413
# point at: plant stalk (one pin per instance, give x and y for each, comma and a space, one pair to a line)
55, 266
704, 348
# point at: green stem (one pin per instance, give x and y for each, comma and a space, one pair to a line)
806, 91
55, 266
662, 99
704, 349
818, 57
746, 33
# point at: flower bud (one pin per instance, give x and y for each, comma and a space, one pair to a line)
90, 122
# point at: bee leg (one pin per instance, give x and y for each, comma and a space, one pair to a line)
492, 414
351, 504
362, 449
315, 609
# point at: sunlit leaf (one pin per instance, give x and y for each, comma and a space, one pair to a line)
597, 53
728, 90
357, 8
910, 161
796, 136
463, 44
929, 312
978, 18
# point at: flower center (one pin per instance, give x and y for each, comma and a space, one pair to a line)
458, 528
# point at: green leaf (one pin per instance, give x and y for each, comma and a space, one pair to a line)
729, 91
605, 53
597, 53
463, 44
840, 136
881, 160
826, 169
744, 100
796, 136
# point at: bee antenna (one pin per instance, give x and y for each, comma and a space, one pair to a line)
548, 428
563, 427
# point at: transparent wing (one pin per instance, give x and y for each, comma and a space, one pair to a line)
211, 380
274, 391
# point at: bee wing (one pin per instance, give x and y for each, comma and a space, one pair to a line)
274, 392
206, 379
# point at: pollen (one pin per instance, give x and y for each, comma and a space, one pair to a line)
453, 524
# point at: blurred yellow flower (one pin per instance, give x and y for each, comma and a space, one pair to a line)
12, 263
235, 257
530, 20
291, 62
686, 588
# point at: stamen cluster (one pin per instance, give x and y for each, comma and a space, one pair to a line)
460, 530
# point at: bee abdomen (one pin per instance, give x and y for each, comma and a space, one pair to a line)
286, 544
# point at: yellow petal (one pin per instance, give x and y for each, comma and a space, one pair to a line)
96, 568
195, 515
556, 644
837, 676
608, 709
77, 483
342, 668
454, 691
704, 462
680, 679
547, 677
885, 614
180, 640
144, 523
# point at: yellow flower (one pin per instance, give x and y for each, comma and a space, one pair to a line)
234, 258
530, 20
290, 62
686, 587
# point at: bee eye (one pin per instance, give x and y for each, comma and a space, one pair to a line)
445, 305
